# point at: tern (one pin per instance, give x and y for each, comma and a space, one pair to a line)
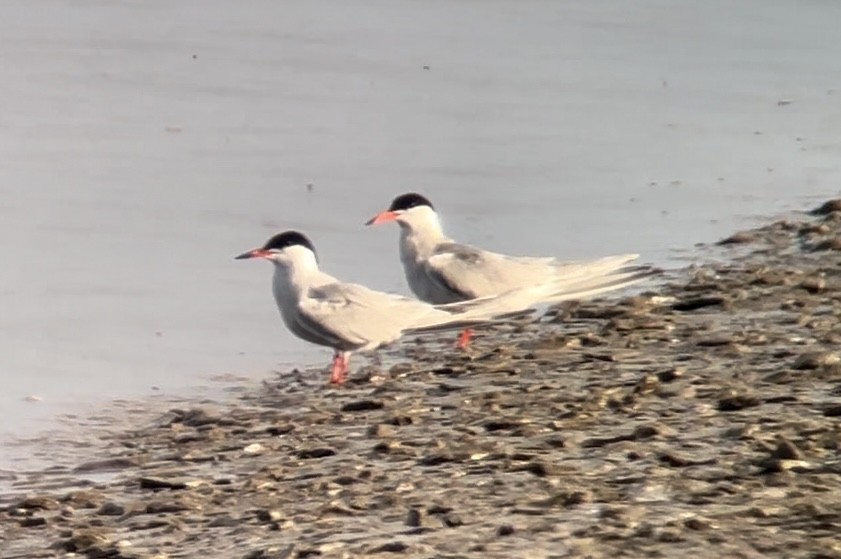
348, 317
441, 271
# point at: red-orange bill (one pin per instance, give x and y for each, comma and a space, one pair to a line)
382, 217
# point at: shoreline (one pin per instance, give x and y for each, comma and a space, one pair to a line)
697, 417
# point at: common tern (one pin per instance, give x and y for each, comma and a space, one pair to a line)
347, 317
440, 270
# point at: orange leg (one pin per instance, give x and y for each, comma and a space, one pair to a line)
339, 368
464, 338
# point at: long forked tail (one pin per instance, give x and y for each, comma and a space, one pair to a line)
564, 288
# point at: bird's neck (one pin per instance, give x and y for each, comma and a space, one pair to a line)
292, 279
419, 238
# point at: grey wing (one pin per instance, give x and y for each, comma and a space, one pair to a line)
448, 271
354, 316
466, 272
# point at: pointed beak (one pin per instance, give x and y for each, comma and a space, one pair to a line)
382, 217
256, 253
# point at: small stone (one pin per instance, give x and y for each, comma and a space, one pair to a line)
391, 547
827, 207
254, 449
540, 468
715, 341
648, 431
695, 303
414, 518
670, 375
833, 244
669, 536
269, 515
697, 524
452, 520
832, 411
739, 238
32, 521
308, 453
438, 509
786, 451
813, 285
111, 509
363, 405
504, 530
155, 483
815, 360
736, 402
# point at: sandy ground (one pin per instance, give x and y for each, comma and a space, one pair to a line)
699, 417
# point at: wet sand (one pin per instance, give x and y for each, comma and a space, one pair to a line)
700, 416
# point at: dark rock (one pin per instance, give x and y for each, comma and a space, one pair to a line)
674, 460
832, 411
438, 509
318, 452
414, 518
827, 207
695, 303
363, 405
736, 402
697, 524
715, 341
501, 425
32, 521
281, 429
269, 515
438, 458
813, 285
111, 509
156, 483
786, 451
815, 360
391, 547
647, 431
738, 239
504, 530
833, 244
670, 375
452, 520
540, 468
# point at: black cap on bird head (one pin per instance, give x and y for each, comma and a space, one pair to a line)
408, 201
400, 204
279, 242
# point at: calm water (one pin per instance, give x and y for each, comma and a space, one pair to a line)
143, 144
